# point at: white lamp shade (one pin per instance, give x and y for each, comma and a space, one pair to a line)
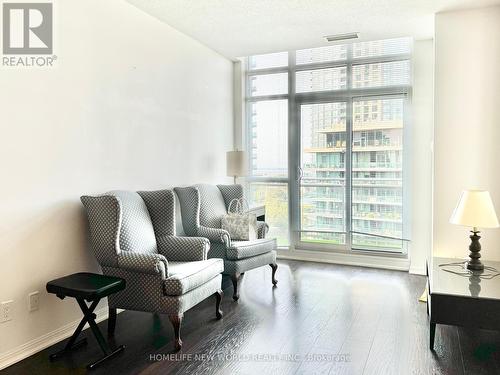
236, 162
475, 209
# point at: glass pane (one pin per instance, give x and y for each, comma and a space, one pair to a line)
322, 185
323, 238
377, 179
275, 197
268, 138
321, 79
268, 84
365, 242
381, 74
321, 54
270, 60
381, 47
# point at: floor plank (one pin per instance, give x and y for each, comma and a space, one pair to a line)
480, 350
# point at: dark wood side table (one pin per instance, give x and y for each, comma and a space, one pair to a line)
461, 300
92, 288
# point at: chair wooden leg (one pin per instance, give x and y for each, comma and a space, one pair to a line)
274, 266
111, 321
236, 279
218, 296
176, 321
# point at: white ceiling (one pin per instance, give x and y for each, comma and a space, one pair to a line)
237, 28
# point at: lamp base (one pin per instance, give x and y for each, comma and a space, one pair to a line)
474, 264
478, 266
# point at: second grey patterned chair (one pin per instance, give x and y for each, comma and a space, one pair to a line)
202, 209
133, 236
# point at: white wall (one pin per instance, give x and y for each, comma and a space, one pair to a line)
421, 163
132, 104
467, 122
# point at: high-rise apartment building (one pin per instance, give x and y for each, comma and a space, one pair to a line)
376, 161
350, 186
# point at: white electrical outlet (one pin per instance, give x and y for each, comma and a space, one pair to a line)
6, 311
33, 301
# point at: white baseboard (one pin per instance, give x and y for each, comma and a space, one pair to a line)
417, 271
34, 346
399, 264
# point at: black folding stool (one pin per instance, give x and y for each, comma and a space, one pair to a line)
92, 288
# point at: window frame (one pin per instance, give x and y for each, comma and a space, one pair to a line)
347, 95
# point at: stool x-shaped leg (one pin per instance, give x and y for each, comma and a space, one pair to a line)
88, 317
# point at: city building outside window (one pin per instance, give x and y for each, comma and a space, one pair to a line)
325, 132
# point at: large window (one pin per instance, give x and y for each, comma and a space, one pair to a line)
326, 138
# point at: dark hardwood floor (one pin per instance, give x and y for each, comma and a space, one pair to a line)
321, 319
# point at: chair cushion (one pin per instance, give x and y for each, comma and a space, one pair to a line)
212, 205
160, 204
186, 276
242, 265
189, 204
136, 232
179, 227
247, 249
230, 192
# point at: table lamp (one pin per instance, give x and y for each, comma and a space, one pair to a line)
475, 209
236, 163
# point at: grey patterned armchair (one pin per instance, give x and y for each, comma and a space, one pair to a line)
133, 236
202, 209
